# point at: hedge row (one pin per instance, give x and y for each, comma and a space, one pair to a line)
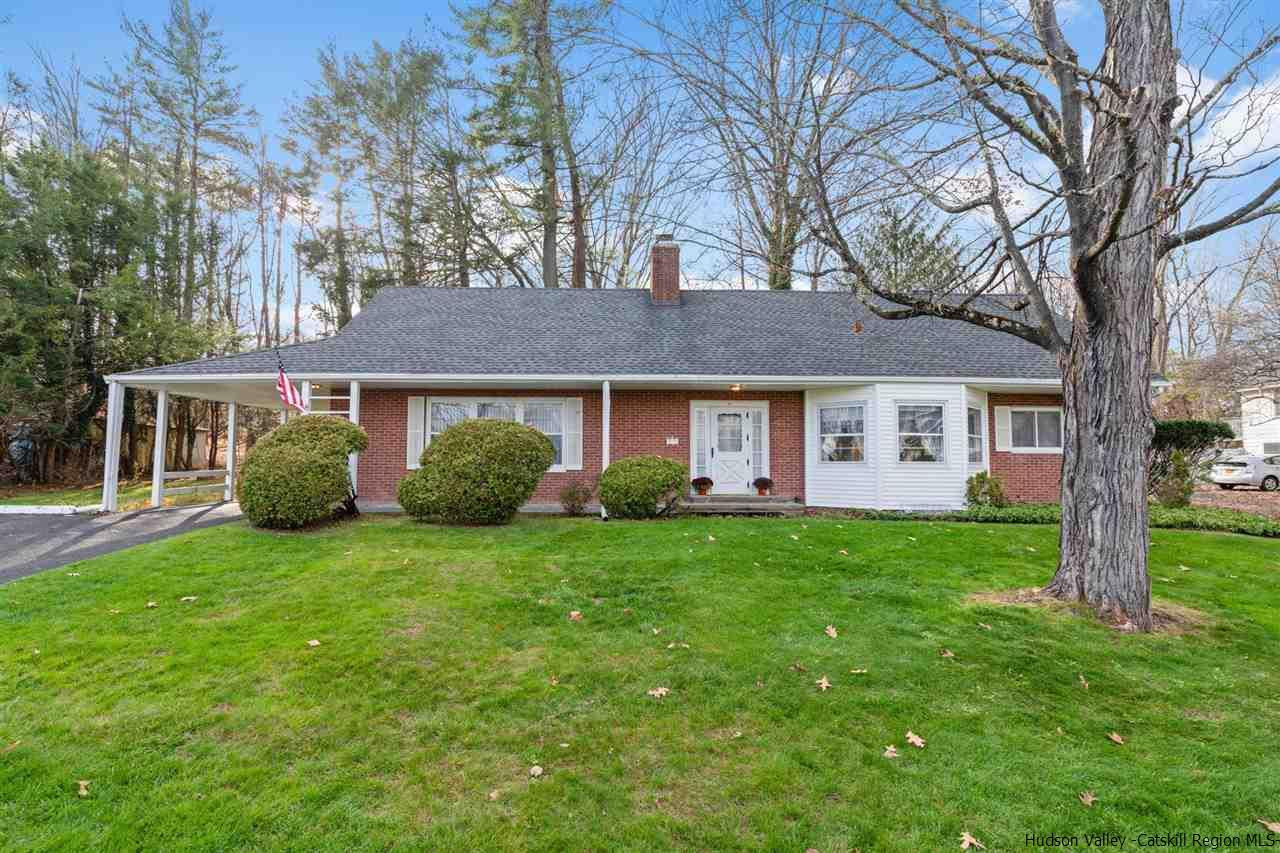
1180, 518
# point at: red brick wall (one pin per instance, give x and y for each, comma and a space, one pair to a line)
641, 422
1027, 477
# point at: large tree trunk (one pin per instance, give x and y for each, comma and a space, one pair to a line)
1107, 364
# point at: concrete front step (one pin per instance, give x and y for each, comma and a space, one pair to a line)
741, 505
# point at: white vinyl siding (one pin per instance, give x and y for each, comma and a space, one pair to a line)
1260, 421
922, 485
841, 484
558, 418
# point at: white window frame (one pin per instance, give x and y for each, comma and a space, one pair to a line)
842, 404
898, 434
981, 435
1062, 429
473, 404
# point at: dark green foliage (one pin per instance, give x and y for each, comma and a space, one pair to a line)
1194, 439
642, 486
1174, 518
297, 475
702, 483
762, 483
1174, 489
477, 472
575, 496
984, 489
284, 486
324, 434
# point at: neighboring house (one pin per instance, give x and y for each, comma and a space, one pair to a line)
839, 407
1260, 419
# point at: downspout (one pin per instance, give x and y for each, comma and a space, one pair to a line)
606, 408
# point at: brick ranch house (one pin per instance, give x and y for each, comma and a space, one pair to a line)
838, 407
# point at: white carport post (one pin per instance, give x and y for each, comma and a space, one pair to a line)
306, 396
229, 493
158, 452
353, 414
111, 460
606, 408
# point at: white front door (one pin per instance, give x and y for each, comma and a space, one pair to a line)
730, 451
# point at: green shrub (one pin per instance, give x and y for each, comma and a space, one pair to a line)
1193, 439
477, 472
320, 434
1176, 487
575, 496
282, 486
642, 486
983, 489
1173, 518
296, 474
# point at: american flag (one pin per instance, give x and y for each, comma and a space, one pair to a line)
288, 392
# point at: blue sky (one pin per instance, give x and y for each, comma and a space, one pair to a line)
274, 44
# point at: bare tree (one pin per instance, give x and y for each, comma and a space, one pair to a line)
1059, 167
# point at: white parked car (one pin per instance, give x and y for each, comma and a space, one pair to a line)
1241, 470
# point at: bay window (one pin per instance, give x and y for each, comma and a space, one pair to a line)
921, 432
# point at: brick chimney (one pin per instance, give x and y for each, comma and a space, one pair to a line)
666, 271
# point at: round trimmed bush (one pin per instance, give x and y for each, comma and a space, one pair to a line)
642, 486
288, 487
296, 474
477, 472
325, 434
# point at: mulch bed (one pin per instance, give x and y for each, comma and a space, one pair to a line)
1246, 499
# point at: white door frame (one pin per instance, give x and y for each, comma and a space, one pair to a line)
757, 409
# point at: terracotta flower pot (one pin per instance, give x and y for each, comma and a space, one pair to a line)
764, 493
702, 490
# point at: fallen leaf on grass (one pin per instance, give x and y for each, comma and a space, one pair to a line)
84, 787
657, 631
1032, 550
967, 841
554, 681
858, 671
913, 539
1183, 568
1114, 737
823, 684
915, 739
575, 615
844, 552
1271, 825
114, 612
947, 653
984, 626
677, 645
1084, 682
152, 604
493, 795
798, 667
1088, 798
830, 631
535, 771
890, 751
187, 598
11, 747
659, 692
795, 537
313, 643
73, 574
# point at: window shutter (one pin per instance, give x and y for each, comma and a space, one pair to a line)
414, 431
1004, 429
573, 434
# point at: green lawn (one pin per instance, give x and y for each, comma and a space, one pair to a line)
135, 494
447, 667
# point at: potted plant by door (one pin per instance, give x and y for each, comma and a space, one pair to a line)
702, 485
763, 485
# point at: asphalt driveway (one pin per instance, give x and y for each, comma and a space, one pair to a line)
32, 543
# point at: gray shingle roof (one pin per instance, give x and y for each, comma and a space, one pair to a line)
619, 332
